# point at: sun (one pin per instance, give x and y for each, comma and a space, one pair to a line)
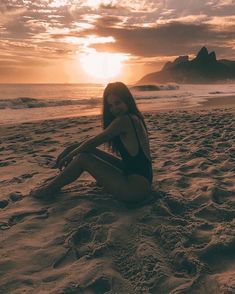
102, 65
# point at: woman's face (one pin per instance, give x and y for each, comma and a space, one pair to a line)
116, 105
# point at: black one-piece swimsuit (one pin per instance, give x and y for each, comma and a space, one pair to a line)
138, 164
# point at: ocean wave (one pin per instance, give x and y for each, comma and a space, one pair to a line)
156, 87
220, 92
27, 102
168, 96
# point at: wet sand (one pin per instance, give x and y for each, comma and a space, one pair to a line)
182, 240
214, 102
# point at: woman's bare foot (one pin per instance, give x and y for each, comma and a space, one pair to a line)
42, 192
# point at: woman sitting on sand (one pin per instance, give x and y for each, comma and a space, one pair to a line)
129, 178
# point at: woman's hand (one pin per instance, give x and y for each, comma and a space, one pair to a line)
66, 151
65, 161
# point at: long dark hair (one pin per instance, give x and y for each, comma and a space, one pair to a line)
120, 90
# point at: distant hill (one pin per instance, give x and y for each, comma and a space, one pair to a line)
204, 68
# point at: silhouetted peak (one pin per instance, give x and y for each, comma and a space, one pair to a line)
204, 56
167, 65
212, 56
204, 68
203, 53
180, 59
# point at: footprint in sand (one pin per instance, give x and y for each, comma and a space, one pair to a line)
21, 216
100, 285
2, 148
15, 196
219, 195
87, 240
45, 161
100, 217
22, 178
176, 204
221, 248
183, 182
90, 241
106, 218
7, 163
200, 237
82, 236
201, 152
44, 142
12, 147
4, 203
212, 212
18, 138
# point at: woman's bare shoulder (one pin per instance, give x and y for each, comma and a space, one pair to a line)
122, 122
137, 120
123, 119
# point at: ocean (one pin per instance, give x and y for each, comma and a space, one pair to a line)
21, 103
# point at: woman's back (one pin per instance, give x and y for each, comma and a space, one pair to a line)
133, 147
135, 137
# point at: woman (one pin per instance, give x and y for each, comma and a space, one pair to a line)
128, 178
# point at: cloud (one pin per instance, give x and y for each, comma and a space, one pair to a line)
9, 12
164, 39
149, 31
108, 6
108, 21
223, 3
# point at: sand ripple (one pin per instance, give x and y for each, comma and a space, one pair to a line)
84, 241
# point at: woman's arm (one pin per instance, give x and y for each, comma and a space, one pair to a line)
114, 129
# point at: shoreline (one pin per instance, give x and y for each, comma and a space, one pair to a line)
206, 103
226, 101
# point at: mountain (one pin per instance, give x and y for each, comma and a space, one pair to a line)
204, 68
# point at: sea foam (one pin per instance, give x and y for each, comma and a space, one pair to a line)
28, 102
155, 87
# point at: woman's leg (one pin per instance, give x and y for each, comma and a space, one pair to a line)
111, 178
98, 152
132, 188
70, 173
106, 156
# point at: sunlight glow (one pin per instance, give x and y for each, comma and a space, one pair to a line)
57, 3
102, 65
93, 3
96, 3
93, 39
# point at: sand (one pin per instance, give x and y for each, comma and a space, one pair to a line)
85, 241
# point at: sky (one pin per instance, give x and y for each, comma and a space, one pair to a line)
82, 41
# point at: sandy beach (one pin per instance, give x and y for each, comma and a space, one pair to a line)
182, 240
